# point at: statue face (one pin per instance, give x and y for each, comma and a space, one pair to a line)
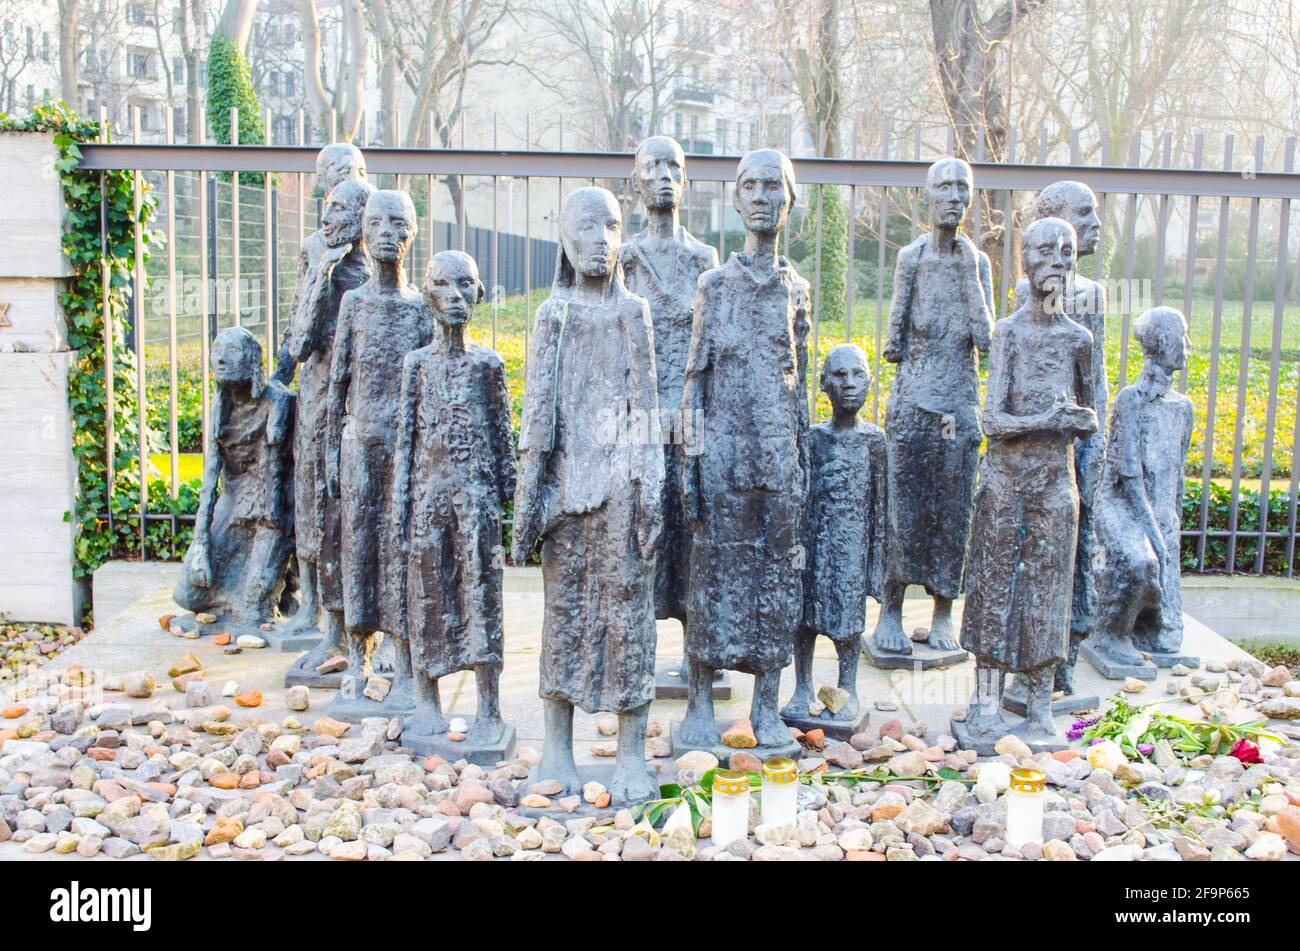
389, 226
660, 173
845, 379
1162, 333
948, 190
234, 361
761, 199
452, 288
592, 232
1048, 249
340, 220
337, 163
1081, 211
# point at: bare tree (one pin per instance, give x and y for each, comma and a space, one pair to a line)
69, 17
345, 98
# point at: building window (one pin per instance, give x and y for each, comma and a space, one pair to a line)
139, 65
178, 68
721, 135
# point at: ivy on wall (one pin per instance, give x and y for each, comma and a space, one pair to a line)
87, 196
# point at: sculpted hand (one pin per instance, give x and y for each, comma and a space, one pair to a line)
200, 566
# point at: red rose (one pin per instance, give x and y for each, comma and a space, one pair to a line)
1246, 751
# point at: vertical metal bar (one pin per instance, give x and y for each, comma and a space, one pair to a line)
234, 224
849, 279
302, 186
205, 314
977, 223
528, 242
911, 192
1189, 269
1130, 239
172, 425
1275, 357
1162, 224
137, 316
461, 212
268, 255
1243, 364
1002, 306
1212, 393
1099, 256
882, 229
429, 186
816, 306
1292, 490
496, 230
110, 345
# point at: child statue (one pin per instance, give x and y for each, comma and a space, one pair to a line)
1138, 509
379, 323
746, 476
940, 319
453, 470
1021, 562
309, 344
591, 473
243, 533
844, 537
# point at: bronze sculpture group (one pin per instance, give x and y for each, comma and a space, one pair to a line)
667, 467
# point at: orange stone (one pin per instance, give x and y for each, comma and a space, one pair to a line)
226, 829
745, 762
165, 622
863, 857
221, 640
6, 735
251, 698
433, 762
224, 780
167, 789
101, 754
1065, 756
815, 738
13, 713
886, 810
740, 735
602, 801
250, 780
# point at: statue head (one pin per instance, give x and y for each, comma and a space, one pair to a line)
1047, 251
1073, 202
660, 173
340, 219
339, 162
949, 186
591, 234
764, 190
452, 288
389, 225
1161, 332
845, 378
237, 360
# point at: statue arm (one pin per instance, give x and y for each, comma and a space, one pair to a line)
877, 518
694, 394
649, 470
501, 442
199, 554
279, 434
900, 307
336, 405
535, 437
402, 454
998, 422
981, 328
802, 328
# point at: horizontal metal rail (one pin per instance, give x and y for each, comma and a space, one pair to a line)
886, 173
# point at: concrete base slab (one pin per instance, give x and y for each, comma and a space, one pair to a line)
834, 729
984, 746
602, 773
223, 624
1174, 659
922, 657
482, 753
282, 638
1113, 671
670, 681
1013, 701
723, 753
355, 708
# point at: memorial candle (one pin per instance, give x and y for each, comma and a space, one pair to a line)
780, 795
1025, 807
730, 806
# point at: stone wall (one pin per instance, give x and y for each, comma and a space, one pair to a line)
38, 477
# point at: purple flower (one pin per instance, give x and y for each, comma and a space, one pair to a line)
1095, 740
1146, 749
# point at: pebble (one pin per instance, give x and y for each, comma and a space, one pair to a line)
250, 642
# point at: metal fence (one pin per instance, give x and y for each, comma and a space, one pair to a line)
1208, 240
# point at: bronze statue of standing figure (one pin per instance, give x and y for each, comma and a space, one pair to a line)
590, 489
844, 538
453, 471
745, 479
379, 323
939, 321
243, 532
1020, 569
339, 266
